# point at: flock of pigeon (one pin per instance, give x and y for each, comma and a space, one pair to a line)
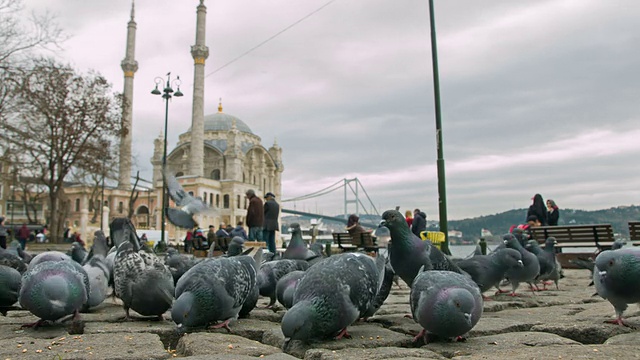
323, 295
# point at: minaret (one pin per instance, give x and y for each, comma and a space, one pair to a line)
200, 53
129, 66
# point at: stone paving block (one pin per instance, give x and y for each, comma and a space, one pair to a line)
249, 328
584, 333
387, 353
96, 346
213, 343
573, 352
632, 338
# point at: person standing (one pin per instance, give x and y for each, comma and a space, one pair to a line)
553, 214
239, 231
3, 234
538, 209
211, 237
188, 242
408, 215
255, 216
23, 235
271, 213
419, 222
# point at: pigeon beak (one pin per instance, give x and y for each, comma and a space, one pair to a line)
520, 263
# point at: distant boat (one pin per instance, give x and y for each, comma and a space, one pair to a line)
323, 234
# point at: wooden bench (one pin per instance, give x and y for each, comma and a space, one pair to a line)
345, 243
599, 236
42, 247
634, 232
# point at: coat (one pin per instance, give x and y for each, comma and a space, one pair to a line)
255, 212
271, 212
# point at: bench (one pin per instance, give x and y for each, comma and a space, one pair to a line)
634, 232
599, 236
33, 247
345, 243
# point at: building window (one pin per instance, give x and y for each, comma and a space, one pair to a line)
210, 199
217, 200
264, 185
225, 201
204, 198
77, 205
106, 203
179, 173
120, 207
215, 174
191, 193
238, 201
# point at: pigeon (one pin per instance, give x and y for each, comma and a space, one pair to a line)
141, 280
188, 204
318, 249
48, 256
445, 304
16, 249
583, 263
78, 252
617, 279
52, 290
235, 246
383, 293
488, 271
10, 280
272, 271
98, 271
12, 261
618, 243
178, 263
117, 236
408, 253
332, 295
297, 248
529, 272
547, 259
214, 290
252, 265
286, 286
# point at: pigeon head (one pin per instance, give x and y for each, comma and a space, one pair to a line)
511, 241
395, 222
533, 246
509, 257
185, 312
298, 322
295, 227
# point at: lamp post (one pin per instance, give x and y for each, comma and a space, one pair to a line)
166, 95
13, 201
106, 145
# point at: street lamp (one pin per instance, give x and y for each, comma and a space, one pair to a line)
166, 95
106, 145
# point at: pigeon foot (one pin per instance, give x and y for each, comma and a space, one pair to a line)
500, 291
486, 298
34, 325
618, 321
343, 334
461, 339
409, 316
224, 325
422, 335
513, 294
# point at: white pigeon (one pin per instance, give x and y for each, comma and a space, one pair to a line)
189, 205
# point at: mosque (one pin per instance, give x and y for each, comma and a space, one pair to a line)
218, 159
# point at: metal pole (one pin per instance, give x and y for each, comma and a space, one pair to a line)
102, 197
442, 191
166, 97
13, 203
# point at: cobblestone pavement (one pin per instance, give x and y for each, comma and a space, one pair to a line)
563, 324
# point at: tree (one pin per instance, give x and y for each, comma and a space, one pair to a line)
61, 122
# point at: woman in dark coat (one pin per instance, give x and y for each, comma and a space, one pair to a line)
553, 214
538, 209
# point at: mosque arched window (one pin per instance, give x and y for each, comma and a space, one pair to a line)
238, 201
215, 174
77, 208
120, 207
142, 210
217, 200
179, 173
210, 199
225, 201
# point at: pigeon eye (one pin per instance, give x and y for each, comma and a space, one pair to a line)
611, 262
458, 305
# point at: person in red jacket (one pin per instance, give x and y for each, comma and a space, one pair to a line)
23, 235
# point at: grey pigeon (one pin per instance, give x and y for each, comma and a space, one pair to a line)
389, 277
117, 228
178, 263
318, 249
618, 244
78, 252
488, 271
52, 290
141, 280
583, 263
213, 290
408, 253
445, 304
10, 280
189, 205
48, 256
251, 264
528, 273
236, 246
12, 261
286, 287
98, 271
16, 248
272, 271
297, 248
617, 278
332, 295
547, 259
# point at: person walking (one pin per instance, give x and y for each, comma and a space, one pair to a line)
255, 216
212, 239
271, 213
23, 235
3, 234
239, 231
419, 222
553, 213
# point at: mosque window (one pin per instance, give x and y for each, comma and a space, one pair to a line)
238, 201
215, 174
217, 200
191, 193
226, 201
142, 210
77, 208
179, 173
264, 185
204, 198
120, 207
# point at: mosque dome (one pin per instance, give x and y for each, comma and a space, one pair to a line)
224, 122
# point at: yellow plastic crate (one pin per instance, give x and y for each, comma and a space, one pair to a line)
436, 237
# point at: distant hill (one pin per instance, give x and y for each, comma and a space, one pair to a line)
500, 223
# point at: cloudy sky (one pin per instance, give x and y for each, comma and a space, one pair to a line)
537, 96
